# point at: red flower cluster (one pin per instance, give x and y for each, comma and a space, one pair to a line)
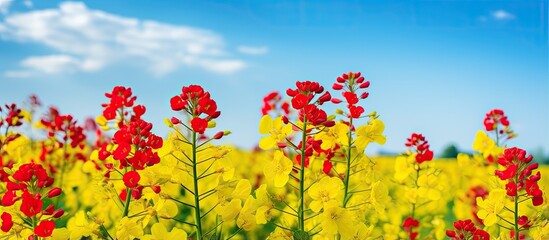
496, 120
12, 119
136, 133
421, 146
350, 83
408, 225
466, 229
302, 98
134, 140
66, 126
120, 97
195, 101
518, 172
273, 102
493, 118
30, 181
13, 116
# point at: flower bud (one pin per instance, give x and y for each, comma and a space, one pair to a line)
218, 135
357, 74
365, 84
339, 111
285, 119
364, 95
336, 100
58, 213
216, 114
337, 86
156, 189
54, 192
212, 124
324, 98
49, 210
175, 121
329, 124
340, 80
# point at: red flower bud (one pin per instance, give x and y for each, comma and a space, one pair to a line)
156, 189
54, 192
329, 124
336, 100
340, 80
365, 84
364, 95
337, 86
324, 98
285, 119
58, 213
281, 144
49, 210
218, 135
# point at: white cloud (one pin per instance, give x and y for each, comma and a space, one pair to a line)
502, 15
52, 64
5, 6
89, 40
253, 50
18, 74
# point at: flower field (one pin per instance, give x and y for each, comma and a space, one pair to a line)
309, 177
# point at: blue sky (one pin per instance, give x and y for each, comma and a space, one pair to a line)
436, 67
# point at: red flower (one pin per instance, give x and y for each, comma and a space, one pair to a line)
9, 198
122, 151
466, 229
177, 103
508, 173
7, 222
44, 228
327, 166
299, 101
511, 188
131, 179
31, 205
408, 225
350, 97
421, 146
355, 112
199, 125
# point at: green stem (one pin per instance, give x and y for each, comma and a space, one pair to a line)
301, 210
128, 199
348, 173
196, 195
517, 230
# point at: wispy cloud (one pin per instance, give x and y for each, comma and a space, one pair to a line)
5, 6
502, 15
253, 50
89, 40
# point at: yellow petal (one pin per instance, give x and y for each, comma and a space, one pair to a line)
265, 124
266, 143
